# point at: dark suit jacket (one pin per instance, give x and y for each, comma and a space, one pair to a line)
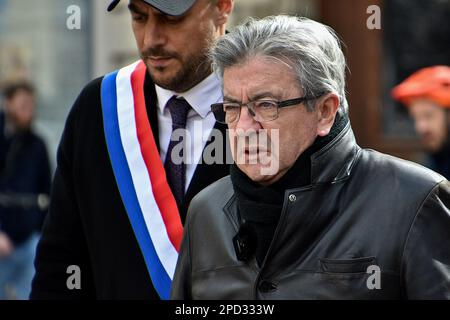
87, 224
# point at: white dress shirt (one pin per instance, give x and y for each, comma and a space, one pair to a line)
200, 121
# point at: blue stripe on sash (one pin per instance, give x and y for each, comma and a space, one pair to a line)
160, 278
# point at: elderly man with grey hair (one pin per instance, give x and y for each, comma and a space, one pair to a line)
305, 212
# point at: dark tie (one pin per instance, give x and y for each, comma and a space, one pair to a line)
176, 172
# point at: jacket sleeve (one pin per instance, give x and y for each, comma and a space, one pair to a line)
426, 256
181, 285
63, 243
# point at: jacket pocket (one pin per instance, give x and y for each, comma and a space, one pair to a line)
356, 265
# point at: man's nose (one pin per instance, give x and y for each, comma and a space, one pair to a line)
154, 35
246, 120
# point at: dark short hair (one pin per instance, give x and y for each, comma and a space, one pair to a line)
11, 89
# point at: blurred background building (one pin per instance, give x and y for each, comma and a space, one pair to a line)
36, 44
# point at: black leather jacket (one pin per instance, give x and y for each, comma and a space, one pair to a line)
370, 226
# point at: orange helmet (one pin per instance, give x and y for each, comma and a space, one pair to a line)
431, 83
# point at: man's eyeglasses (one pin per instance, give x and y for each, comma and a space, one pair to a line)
260, 110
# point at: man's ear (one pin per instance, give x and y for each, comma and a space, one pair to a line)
223, 11
327, 107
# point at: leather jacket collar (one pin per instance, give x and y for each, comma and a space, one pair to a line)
335, 160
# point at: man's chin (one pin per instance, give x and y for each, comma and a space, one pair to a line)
259, 173
162, 77
170, 78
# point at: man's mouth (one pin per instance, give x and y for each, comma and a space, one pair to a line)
159, 61
254, 151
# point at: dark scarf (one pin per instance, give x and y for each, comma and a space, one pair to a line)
260, 206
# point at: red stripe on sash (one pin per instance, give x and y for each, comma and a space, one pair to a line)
161, 190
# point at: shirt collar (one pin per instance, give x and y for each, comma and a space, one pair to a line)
199, 97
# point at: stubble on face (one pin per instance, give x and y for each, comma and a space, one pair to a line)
188, 64
191, 71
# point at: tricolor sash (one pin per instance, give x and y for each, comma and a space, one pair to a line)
140, 174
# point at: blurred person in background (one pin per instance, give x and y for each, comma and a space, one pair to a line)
24, 188
426, 93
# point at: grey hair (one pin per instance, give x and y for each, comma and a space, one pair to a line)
310, 48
